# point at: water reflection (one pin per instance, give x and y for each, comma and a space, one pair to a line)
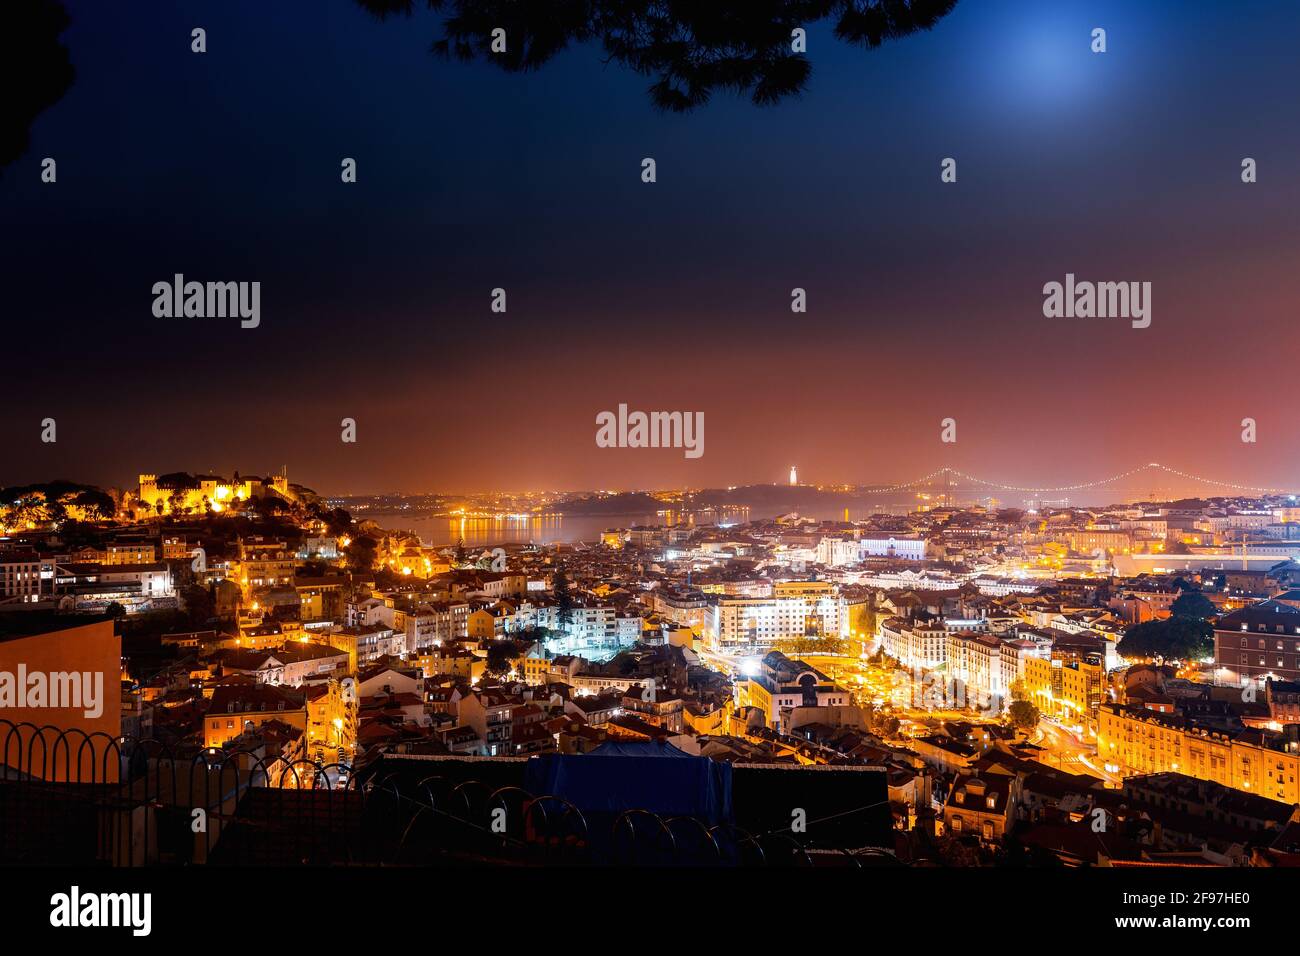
556, 529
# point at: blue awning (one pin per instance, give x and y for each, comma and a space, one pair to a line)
619, 776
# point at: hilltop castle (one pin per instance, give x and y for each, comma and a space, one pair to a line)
182, 492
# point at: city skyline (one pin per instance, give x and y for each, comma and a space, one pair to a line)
470, 445
1161, 483
956, 480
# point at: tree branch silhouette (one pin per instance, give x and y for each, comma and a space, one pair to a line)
690, 47
35, 70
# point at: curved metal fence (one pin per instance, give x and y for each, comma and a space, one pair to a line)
67, 797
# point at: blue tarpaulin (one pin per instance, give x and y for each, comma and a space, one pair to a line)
619, 776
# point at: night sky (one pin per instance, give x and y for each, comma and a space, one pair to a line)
925, 299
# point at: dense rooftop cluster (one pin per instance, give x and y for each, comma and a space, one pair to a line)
1021, 676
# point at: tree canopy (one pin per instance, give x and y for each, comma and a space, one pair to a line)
35, 69
1175, 638
1193, 604
689, 48
810, 645
1023, 714
362, 553
500, 657
563, 596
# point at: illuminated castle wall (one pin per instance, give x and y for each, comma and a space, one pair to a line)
211, 490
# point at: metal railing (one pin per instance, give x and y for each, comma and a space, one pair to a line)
67, 797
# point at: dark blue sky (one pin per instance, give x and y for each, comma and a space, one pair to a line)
925, 299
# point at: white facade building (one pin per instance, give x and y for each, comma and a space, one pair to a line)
738, 622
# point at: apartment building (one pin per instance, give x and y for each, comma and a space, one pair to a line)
262, 564
1134, 740
740, 622
1258, 642
915, 642
20, 576
781, 685
977, 661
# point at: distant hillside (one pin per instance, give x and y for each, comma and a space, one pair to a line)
626, 503
777, 497
770, 498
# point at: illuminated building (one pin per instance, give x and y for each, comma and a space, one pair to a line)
331, 721
803, 589
489, 714
740, 622
495, 585
174, 548
490, 623
409, 557
1136, 740
262, 564
239, 707
197, 493
20, 576
436, 622
983, 806
1258, 642
291, 665
1082, 686
655, 706
454, 660
320, 598
976, 661
893, 546
363, 644
319, 549
1093, 539
915, 643
589, 624
1065, 687
1039, 683
94, 587
835, 552
256, 634
779, 685
533, 665
127, 552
